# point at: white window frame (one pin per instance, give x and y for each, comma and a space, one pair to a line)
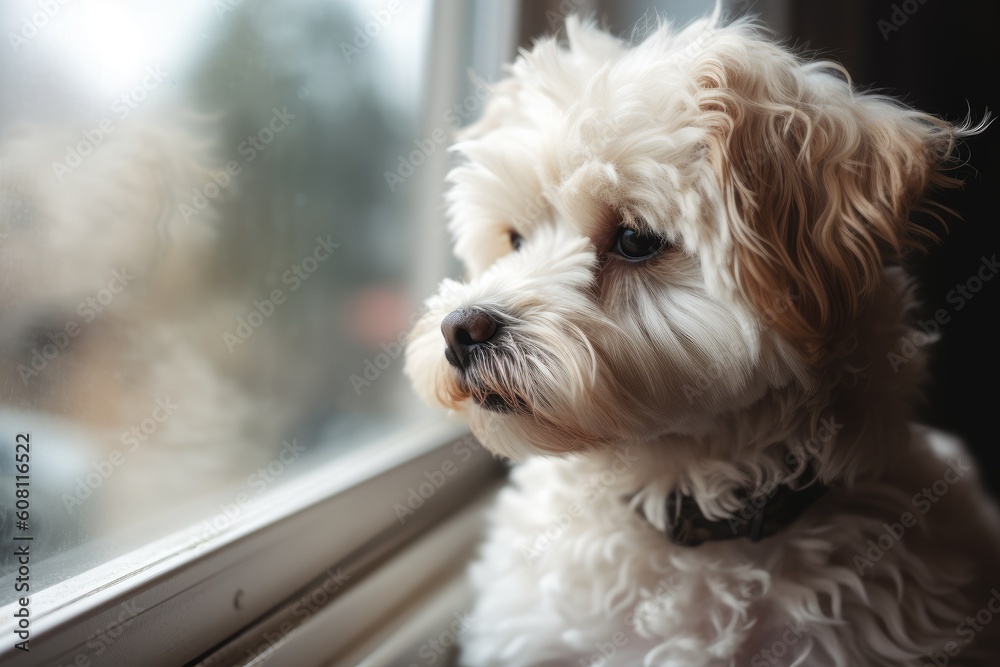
179, 597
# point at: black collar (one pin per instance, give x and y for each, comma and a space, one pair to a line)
760, 515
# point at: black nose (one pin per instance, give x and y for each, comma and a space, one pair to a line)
463, 330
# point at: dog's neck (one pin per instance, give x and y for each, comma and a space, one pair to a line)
851, 425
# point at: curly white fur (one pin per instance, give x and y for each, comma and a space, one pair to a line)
754, 347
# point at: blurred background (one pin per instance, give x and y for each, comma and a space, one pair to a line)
218, 220
204, 274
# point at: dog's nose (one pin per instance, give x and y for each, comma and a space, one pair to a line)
463, 330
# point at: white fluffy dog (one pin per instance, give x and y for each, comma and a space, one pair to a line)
680, 319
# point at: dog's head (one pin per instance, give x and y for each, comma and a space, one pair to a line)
658, 235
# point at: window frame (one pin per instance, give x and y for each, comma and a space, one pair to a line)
179, 606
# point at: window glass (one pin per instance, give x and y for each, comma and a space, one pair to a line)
204, 273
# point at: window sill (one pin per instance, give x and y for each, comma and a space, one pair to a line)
171, 602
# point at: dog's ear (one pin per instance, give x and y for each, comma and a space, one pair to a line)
818, 181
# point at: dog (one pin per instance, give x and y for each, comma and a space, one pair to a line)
685, 319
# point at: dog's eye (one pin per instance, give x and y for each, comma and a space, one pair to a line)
634, 245
516, 240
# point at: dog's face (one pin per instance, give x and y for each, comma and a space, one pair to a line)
658, 235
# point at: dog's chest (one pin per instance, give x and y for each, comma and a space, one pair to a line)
568, 569
586, 573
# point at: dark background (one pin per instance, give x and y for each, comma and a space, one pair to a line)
942, 59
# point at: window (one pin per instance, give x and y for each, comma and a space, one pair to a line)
217, 221
205, 280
